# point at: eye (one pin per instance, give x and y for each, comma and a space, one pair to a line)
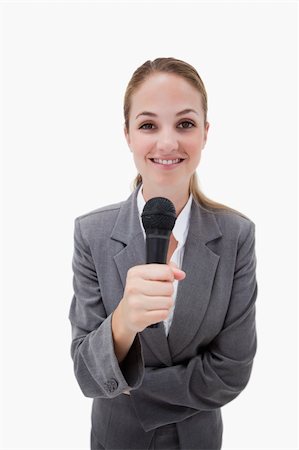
147, 125
187, 122
141, 128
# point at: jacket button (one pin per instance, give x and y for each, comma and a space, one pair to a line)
111, 385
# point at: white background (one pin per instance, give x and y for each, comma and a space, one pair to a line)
65, 69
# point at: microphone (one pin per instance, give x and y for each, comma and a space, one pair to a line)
158, 219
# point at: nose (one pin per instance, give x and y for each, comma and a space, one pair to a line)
167, 142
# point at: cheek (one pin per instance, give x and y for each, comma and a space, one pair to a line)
196, 154
141, 146
197, 142
139, 159
193, 143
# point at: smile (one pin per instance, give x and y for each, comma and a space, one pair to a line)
167, 162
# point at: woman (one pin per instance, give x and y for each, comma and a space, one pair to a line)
162, 388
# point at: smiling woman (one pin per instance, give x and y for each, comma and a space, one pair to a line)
177, 130
163, 387
161, 86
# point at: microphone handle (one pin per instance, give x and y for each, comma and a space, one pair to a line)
156, 249
156, 253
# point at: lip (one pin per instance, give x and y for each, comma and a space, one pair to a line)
171, 157
167, 166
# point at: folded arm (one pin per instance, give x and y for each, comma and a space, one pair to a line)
218, 374
97, 370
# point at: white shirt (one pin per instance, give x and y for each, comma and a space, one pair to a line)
180, 232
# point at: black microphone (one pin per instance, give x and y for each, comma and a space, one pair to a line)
158, 218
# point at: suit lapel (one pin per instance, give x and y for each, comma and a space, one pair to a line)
193, 293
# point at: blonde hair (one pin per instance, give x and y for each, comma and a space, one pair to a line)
185, 70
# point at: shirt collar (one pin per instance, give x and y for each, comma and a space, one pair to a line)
181, 226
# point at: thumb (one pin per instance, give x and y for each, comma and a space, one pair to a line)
178, 273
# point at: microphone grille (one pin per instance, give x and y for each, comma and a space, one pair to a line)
158, 212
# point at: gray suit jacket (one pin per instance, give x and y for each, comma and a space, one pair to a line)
205, 361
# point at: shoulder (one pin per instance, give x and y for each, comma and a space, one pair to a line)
99, 213
234, 220
99, 220
234, 225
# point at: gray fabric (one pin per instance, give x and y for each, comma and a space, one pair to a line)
164, 438
205, 362
94, 443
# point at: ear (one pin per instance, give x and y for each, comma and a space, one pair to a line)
127, 136
207, 126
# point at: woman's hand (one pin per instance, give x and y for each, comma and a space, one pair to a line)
148, 295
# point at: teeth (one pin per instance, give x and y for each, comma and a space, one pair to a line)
166, 161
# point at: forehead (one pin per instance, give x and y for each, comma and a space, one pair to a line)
164, 90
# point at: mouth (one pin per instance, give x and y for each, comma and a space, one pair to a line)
167, 162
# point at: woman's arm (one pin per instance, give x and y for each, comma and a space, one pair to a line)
104, 367
216, 376
122, 337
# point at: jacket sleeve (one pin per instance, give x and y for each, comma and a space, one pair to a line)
95, 364
221, 371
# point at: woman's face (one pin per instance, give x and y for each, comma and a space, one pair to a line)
161, 128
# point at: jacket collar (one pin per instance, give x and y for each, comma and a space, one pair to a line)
199, 263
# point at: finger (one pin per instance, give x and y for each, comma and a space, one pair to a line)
158, 272
153, 287
174, 266
179, 274
156, 303
156, 316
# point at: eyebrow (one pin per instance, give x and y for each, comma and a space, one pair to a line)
185, 111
